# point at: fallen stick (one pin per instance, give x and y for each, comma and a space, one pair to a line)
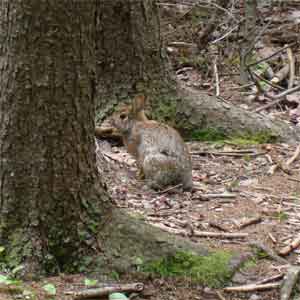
269, 279
226, 235
223, 195
269, 251
221, 297
103, 291
250, 221
270, 83
291, 60
218, 226
294, 157
168, 189
285, 166
289, 282
216, 77
294, 179
252, 287
229, 153
287, 249
210, 234
278, 98
272, 55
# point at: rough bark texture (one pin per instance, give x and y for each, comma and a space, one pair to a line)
249, 11
49, 188
129, 51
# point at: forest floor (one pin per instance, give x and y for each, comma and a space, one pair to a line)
234, 193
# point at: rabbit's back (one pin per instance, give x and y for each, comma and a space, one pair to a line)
161, 153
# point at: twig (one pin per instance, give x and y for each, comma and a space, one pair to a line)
289, 282
225, 35
226, 235
287, 249
223, 195
216, 77
294, 157
168, 189
291, 60
219, 7
250, 221
237, 153
272, 84
278, 98
97, 292
269, 251
285, 166
218, 226
269, 279
272, 238
253, 287
221, 297
294, 179
272, 55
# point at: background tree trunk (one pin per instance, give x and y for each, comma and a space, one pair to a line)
129, 52
249, 34
51, 200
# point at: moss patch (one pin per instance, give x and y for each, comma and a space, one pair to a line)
208, 134
165, 112
239, 139
212, 270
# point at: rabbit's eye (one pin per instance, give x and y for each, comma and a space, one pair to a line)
123, 116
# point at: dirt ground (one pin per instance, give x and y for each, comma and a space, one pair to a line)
233, 194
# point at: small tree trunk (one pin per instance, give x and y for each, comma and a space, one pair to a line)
249, 34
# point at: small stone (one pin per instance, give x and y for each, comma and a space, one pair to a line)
255, 297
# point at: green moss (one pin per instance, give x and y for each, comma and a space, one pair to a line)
253, 139
281, 216
251, 263
239, 139
208, 134
212, 270
165, 112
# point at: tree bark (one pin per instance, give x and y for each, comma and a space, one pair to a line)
249, 36
51, 198
129, 51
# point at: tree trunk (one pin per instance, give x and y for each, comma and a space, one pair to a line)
129, 52
51, 199
249, 36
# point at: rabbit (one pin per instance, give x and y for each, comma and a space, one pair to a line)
161, 154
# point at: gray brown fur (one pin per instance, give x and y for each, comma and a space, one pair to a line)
161, 153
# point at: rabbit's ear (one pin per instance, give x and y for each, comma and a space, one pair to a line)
138, 104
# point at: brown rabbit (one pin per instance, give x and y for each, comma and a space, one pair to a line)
162, 156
